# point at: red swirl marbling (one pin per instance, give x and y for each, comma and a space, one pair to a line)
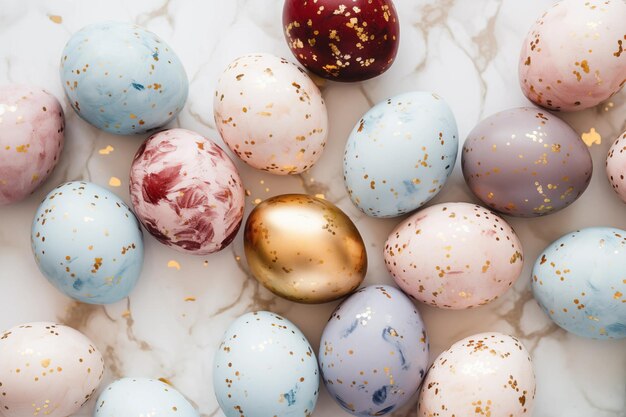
187, 192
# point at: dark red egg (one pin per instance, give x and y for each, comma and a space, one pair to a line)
349, 40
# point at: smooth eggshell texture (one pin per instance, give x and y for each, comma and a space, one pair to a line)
122, 78
574, 56
400, 154
271, 114
525, 162
46, 369
342, 41
579, 282
31, 139
265, 367
88, 243
454, 255
137, 397
487, 374
186, 191
616, 166
374, 351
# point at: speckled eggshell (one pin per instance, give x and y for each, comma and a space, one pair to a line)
87, 243
271, 114
187, 192
46, 369
265, 367
31, 139
616, 166
139, 397
400, 154
122, 78
574, 56
342, 41
579, 282
374, 351
526, 162
454, 255
487, 374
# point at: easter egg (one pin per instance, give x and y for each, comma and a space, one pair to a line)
454, 255
304, 249
31, 139
579, 282
46, 369
525, 162
342, 41
374, 351
186, 191
574, 56
265, 367
487, 374
122, 78
271, 114
616, 166
87, 243
136, 396
400, 154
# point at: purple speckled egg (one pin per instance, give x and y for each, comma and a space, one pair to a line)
374, 351
31, 139
525, 162
616, 166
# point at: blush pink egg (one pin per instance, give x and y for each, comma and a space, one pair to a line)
31, 139
454, 255
616, 166
187, 192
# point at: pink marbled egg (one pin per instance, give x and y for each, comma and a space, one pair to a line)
31, 139
574, 56
186, 191
454, 255
616, 166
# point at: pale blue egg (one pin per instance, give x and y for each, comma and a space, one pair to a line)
265, 367
142, 397
88, 243
400, 154
580, 282
122, 78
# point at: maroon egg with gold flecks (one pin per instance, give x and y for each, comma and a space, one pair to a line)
346, 41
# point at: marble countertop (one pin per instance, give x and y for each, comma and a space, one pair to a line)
465, 51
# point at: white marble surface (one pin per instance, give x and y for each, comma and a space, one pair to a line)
466, 51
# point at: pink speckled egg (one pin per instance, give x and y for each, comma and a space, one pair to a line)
454, 255
31, 139
616, 166
574, 56
271, 114
186, 191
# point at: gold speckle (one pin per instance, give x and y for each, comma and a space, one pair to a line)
107, 150
114, 182
45, 362
617, 295
190, 298
55, 18
592, 137
173, 264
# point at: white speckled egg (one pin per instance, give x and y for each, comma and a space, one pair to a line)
31, 139
87, 243
46, 369
265, 367
616, 166
454, 255
136, 397
271, 114
374, 351
580, 282
400, 154
487, 374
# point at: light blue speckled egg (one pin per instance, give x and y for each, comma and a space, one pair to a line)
580, 282
137, 397
122, 78
400, 154
374, 351
88, 243
265, 367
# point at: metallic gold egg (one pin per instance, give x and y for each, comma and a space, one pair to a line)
304, 249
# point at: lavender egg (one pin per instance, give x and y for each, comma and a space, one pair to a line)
374, 351
526, 162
